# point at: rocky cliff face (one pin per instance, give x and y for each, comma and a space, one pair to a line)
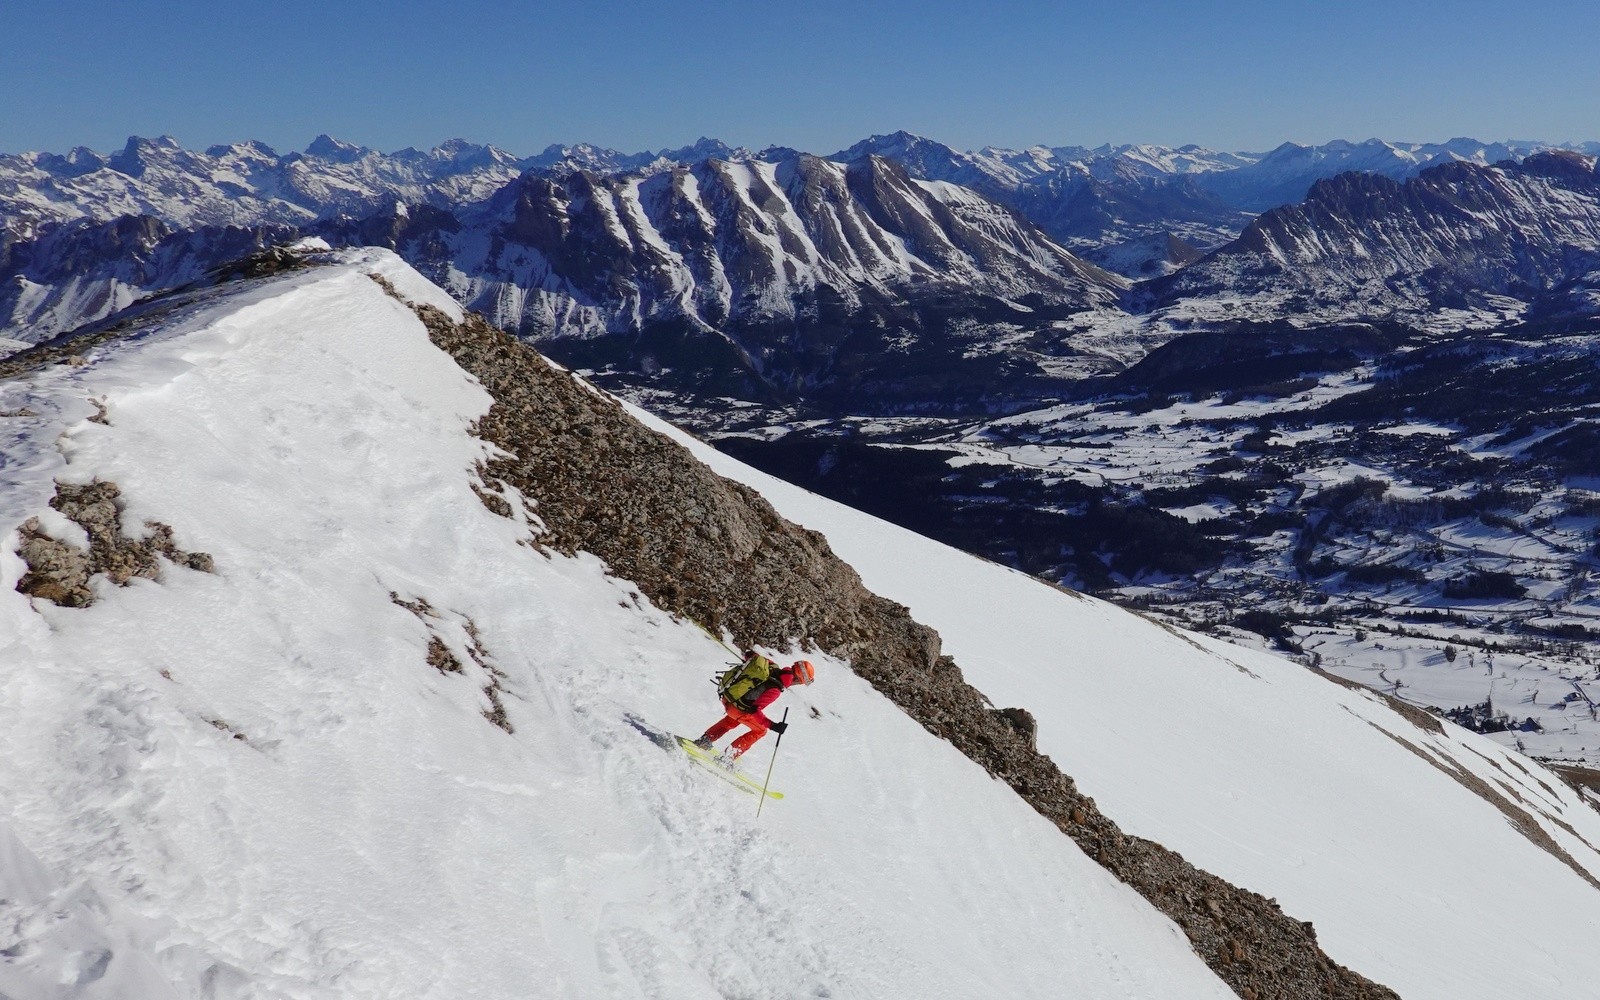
756, 242
1455, 236
715, 551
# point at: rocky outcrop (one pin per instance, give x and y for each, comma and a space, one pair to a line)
59, 571
715, 551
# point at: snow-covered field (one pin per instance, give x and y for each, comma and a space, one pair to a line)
252, 784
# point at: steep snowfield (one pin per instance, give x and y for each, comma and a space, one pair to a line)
253, 784
1256, 769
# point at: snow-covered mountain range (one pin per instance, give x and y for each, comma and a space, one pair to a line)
344, 638
1121, 206
778, 274
881, 271
243, 184
1491, 240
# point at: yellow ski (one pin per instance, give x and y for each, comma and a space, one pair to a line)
709, 761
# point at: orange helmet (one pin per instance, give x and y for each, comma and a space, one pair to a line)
804, 672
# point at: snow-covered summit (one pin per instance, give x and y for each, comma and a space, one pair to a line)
376, 743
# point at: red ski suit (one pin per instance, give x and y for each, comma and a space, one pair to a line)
757, 722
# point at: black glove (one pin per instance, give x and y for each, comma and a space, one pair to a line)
779, 727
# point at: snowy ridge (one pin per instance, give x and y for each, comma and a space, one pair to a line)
84, 271
253, 784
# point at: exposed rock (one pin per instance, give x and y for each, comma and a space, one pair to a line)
59, 571
440, 658
1021, 720
263, 263
443, 659
716, 552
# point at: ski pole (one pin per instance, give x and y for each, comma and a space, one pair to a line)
714, 639
774, 760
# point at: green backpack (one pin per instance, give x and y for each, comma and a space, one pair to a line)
740, 683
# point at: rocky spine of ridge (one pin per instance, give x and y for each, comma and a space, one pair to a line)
715, 551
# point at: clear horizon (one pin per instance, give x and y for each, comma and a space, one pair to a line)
1236, 76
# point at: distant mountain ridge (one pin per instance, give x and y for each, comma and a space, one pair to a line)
244, 184
803, 274
1092, 197
899, 267
249, 183
1453, 237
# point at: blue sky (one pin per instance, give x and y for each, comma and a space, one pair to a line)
815, 75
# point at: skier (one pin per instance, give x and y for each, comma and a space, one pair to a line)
745, 691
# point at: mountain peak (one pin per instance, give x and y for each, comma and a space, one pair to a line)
705, 148
327, 147
917, 153
139, 142
249, 148
139, 150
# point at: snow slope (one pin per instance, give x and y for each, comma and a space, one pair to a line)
251, 783
1259, 771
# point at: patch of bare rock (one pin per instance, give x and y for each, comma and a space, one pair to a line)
59, 571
